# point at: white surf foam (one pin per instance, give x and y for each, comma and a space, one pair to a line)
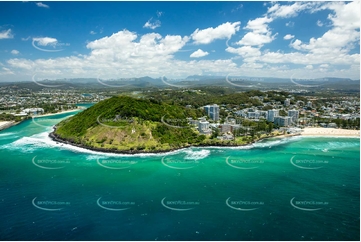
278, 141
7, 134
335, 145
196, 155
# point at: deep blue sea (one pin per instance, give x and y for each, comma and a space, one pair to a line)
298, 188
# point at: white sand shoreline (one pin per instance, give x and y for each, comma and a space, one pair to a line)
330, 132
52, 114
6, 124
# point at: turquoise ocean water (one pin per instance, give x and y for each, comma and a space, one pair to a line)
281, 189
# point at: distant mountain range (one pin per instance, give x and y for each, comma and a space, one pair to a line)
194, 81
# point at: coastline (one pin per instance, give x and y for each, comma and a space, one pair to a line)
55, 138
111, 151
307, 132
330, 132
6, 124
52, 114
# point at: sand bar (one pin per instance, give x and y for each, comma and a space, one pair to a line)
51, 114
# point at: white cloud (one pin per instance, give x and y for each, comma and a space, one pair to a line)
15, 52
45, 41
223, 31
252, 65
92, 32
6, 34
245, 51
123, 54
199, 53
41, 5
288, 36
345, 15
26, 39
6, 71
288, 11
319, 23
341, 38
252, 38
259, 25
127, 54
260, 33
296, 44
152, 25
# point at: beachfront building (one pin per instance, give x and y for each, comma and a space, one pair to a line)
212, 111
33, 111
294, 114
272, 114
203, 127
283, 121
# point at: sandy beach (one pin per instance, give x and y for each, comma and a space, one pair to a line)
6, 124
330, 132
51, 114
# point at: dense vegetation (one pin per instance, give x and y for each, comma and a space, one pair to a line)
126, 123
9, 117
221, 96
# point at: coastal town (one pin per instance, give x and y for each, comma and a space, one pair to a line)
283, 117
279, 111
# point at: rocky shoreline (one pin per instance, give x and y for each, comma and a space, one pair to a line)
55, 138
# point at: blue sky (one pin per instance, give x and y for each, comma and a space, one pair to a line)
177, 39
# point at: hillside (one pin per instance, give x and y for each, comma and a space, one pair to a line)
129, 124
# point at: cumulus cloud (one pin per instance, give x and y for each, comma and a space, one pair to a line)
42, 5
333, 46
128, 54
288, 36
6, 34
259, 25
287, 11
342, 37
252, 38
15, 52
260, 33
296, 44
45, 41
199, 53
38, 43
245, 51
223, 31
